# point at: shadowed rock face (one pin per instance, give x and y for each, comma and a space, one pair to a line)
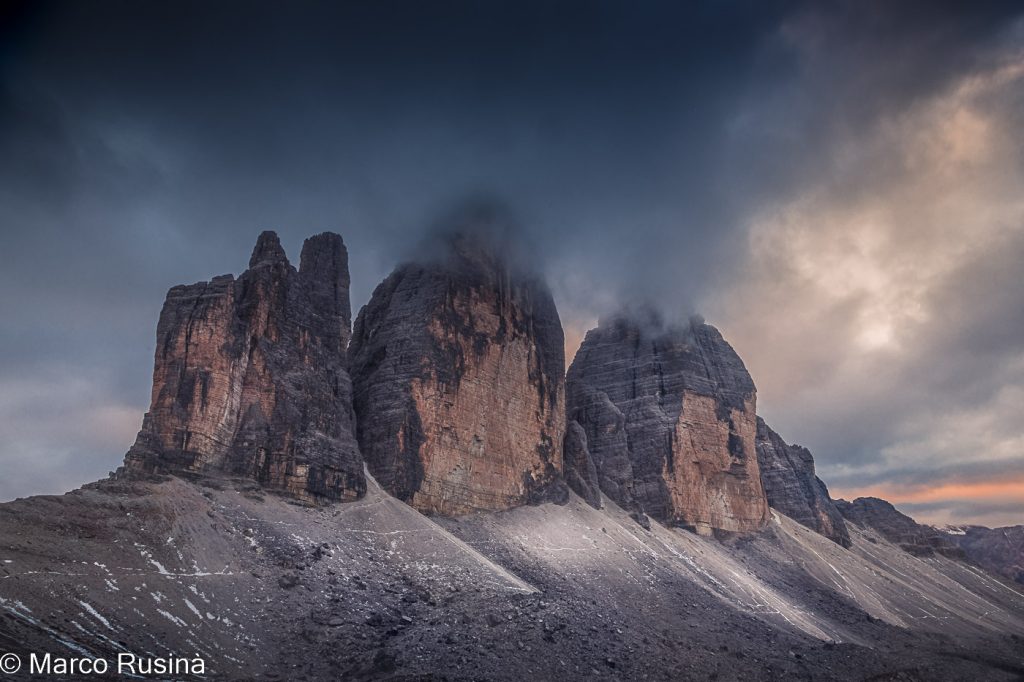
787, 474
669, 417
898, 528
250, 377
580, 472
458, 366
1000, 550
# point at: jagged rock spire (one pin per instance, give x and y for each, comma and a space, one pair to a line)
267, 250
250, 377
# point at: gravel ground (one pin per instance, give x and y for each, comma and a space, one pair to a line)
261, 588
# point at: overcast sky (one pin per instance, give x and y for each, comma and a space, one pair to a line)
839, 187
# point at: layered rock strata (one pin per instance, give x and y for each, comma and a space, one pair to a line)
787, 474
669, 418
250, 377
458, 366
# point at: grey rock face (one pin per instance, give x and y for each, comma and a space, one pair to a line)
580, 472
250, 377
1000, 550
669, 419
458, 365
787, 474
898, 528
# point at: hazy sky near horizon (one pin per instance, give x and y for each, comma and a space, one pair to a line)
838, 186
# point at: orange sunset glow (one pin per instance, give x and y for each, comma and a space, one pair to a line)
1003, 489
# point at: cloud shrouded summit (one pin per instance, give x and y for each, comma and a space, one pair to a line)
835, 185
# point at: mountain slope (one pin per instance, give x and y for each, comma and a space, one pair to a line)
1000, 550
260, 587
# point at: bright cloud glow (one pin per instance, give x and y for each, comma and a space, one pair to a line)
869, 290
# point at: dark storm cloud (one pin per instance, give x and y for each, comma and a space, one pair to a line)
597, 122
144, 144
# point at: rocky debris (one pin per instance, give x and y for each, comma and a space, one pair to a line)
250, 377
580, 472
999, 550
458, 367
669, 418
544, 592
898, 528
787, 474
288, 581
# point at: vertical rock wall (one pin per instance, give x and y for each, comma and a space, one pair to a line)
458, 366
669, 418
250, 380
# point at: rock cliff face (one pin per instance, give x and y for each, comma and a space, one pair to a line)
250, 377
1000, 550
669, 418
580, 472
787, 474
458, 366
898, 528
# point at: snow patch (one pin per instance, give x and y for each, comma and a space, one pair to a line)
96, 614
148, 556
193, 609
171, 617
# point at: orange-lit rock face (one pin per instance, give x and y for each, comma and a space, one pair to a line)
250, 379
458, 372
670, 424
708, 475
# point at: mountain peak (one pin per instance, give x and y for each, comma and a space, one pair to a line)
250, 381
458, 369
268, 249
669, 417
